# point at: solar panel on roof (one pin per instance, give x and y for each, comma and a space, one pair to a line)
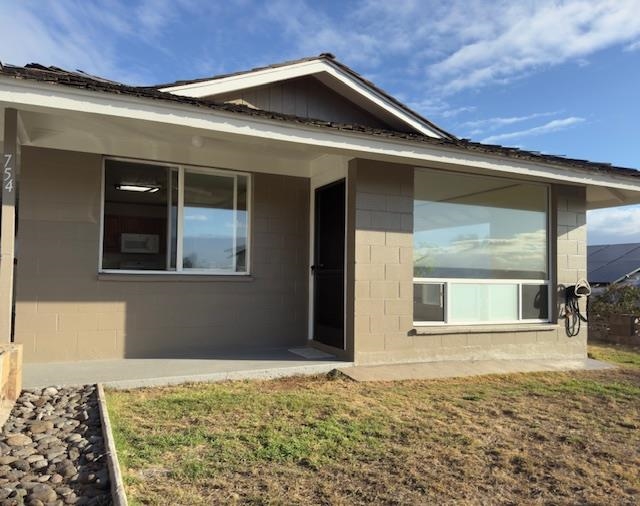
609, 263
614, 252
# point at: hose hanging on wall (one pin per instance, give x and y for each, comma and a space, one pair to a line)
573, 316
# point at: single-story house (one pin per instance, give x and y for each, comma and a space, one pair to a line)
294, 204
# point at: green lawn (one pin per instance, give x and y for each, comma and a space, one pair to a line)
559, 438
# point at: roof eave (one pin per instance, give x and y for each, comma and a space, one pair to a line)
167, 109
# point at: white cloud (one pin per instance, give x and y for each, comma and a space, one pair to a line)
311, 31
552, 126
459, 44
437, 108
422, 45
532, 35
614, 226
525, 250
635, 46
83, 35
450, 113
482, 125
29, 38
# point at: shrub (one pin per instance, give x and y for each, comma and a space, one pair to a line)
615, 300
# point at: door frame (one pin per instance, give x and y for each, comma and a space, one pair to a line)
318, 181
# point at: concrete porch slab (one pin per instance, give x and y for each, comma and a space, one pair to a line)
455, 369
149, 372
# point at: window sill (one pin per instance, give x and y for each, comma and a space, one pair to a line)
174, 277
483, 329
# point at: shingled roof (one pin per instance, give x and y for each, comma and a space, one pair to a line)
56, 76
328, 57
321, 56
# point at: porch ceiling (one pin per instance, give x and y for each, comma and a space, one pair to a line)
156, 141
153, 140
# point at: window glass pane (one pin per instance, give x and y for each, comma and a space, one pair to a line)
241, 225
535, 302
483, 302
469, 226
208, 224
428, 302
173, 219
135, 216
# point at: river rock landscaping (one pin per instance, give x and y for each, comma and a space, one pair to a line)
52, 450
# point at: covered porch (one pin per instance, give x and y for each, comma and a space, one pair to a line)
153, 372
70, 307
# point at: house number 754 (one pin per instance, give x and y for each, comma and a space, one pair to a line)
8, 172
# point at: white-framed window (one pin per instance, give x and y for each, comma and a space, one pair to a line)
481, 249
164, 218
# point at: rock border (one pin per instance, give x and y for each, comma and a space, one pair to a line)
118, 494
52, 449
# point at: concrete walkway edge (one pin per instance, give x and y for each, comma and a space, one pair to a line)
465, 368
266, 373
118, 495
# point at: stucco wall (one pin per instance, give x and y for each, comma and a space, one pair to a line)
65, 312
383, 323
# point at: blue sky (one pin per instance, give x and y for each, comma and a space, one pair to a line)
559, 77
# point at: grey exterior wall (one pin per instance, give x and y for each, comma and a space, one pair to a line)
65, 311
383, 280
305, 97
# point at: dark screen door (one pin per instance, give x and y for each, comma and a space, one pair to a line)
328, 265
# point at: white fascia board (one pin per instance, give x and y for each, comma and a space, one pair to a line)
246, 80
56, 98
271, 75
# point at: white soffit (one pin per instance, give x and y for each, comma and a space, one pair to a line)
40, 97
328, 73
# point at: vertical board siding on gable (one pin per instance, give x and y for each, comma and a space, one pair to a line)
64, 312
305, 97
383, 284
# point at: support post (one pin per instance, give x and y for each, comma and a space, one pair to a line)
9, 164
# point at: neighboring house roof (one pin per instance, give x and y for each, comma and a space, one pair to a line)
610, 263
84, 81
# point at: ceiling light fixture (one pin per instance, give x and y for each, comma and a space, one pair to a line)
137, 188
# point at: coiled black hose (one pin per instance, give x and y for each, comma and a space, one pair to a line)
572, 315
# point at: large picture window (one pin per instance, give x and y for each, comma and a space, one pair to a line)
174, 219
480, 249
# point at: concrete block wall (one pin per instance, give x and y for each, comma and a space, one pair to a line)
571, 229
66, 311
383, 281
383, 257
572, 234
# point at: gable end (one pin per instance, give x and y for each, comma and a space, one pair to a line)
307, 97
334, 75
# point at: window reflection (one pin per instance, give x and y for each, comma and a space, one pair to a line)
478, 227
214, 230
